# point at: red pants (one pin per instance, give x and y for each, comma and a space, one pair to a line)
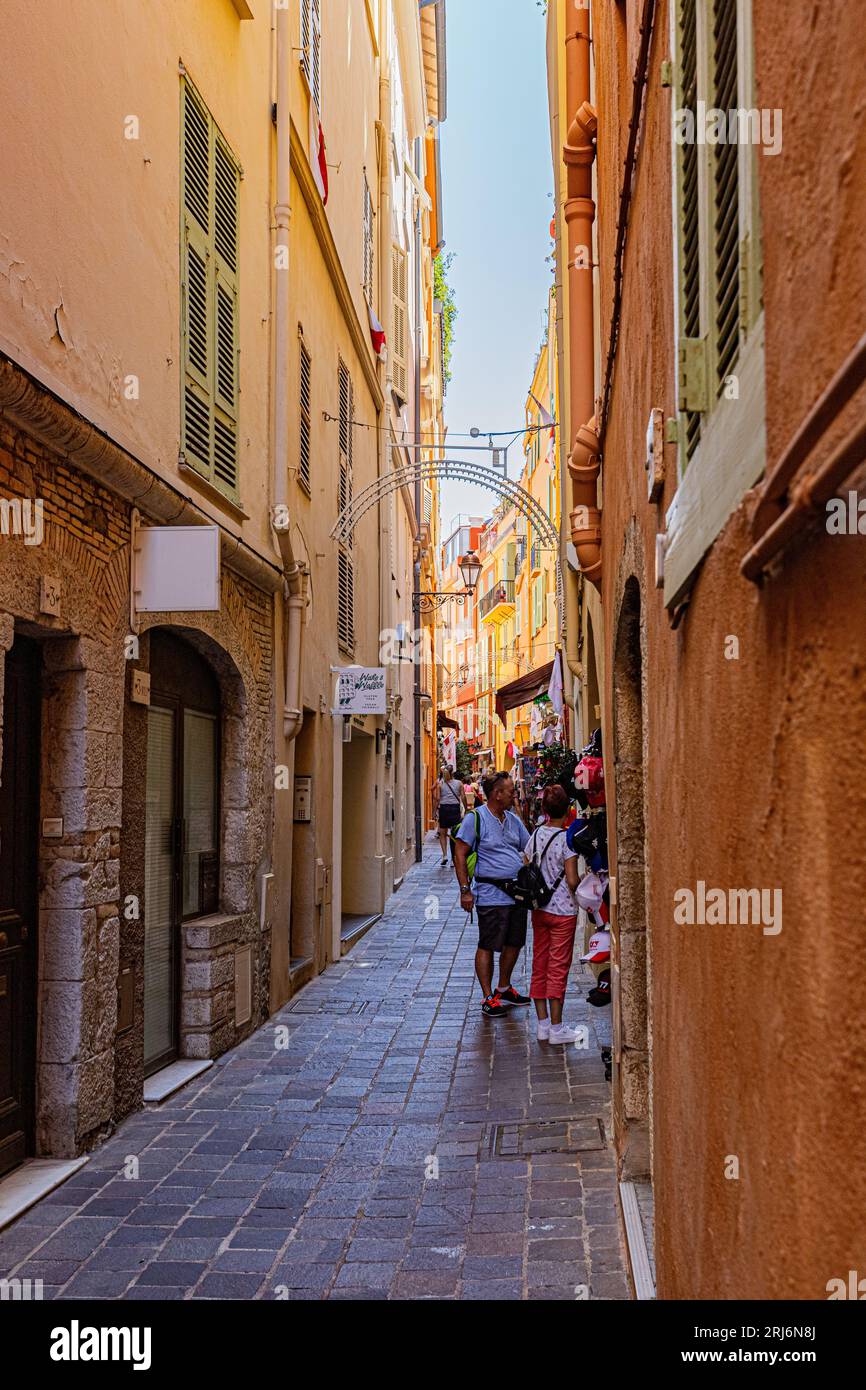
552, 950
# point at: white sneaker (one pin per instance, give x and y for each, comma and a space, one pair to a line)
563, 1033
542, 1031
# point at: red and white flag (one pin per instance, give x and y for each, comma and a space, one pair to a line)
548, 421
318, 162
377, 333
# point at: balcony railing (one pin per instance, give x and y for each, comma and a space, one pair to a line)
498, 603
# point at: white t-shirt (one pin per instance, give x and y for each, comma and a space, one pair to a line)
563, 903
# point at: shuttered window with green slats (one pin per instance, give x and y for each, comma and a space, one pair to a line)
713, 218
210, 183
721, 397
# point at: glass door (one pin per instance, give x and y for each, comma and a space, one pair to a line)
160, 935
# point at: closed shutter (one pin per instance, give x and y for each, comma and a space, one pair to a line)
346, 602
368, 244
690, 220
209, 272
345, 562
305, 415
726, 194
428, 505
400, 335
551, 615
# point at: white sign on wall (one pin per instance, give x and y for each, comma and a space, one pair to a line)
361, 690
177, 569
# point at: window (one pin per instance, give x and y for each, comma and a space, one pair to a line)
209, 293
311, 48
537, 603
720, 326
305, 414
345, 561
368, 244
400, 335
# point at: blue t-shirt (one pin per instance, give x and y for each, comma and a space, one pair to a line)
500, 852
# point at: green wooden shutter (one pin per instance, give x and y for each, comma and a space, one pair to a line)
210, 183
726, 194
690, 224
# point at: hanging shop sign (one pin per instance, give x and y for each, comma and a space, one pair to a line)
360, 690
176, 569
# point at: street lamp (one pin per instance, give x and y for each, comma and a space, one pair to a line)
470, 568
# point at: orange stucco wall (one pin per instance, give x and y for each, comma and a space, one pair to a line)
755, 769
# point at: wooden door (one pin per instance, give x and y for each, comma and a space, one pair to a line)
19, 848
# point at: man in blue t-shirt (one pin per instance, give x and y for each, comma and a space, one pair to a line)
501, 923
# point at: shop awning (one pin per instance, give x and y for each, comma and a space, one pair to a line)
444, 721
523, 690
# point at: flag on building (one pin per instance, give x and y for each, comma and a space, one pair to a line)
548, 422
377, 333
318, 162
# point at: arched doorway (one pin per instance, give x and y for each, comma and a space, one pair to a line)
181, 827
632, 1089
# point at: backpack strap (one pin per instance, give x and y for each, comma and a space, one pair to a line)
546, 847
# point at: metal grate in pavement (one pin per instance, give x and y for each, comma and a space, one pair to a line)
519, 1139
329, 1006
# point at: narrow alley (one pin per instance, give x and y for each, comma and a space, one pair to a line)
378, 1137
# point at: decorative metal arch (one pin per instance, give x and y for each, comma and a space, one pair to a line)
465, 471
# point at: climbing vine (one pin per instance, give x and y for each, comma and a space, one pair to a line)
444, 292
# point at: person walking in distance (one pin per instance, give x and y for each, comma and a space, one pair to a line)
553, 927
450, 804
498, 837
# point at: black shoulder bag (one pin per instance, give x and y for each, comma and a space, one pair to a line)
530, 888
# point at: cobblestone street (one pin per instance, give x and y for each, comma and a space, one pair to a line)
378, 1138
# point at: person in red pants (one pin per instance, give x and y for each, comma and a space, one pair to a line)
553, 928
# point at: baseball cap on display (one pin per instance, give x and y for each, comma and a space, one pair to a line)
599, 948
601, 994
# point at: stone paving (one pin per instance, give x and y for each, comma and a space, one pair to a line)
378, 1138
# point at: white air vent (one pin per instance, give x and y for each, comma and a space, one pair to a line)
243, 985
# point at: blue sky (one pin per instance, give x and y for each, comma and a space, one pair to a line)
496, 175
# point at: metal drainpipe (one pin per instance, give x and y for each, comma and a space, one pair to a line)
578, 154
416, 602
295, 596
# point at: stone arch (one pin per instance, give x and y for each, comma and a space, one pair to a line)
219, 952
632, 1079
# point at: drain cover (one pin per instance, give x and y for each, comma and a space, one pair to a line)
518, 1139
331, 1006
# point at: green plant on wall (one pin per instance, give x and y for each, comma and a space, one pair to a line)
445, 294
